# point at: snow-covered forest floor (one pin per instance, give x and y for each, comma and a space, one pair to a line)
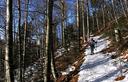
99, 67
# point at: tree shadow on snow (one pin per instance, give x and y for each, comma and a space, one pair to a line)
95, 63
110, 74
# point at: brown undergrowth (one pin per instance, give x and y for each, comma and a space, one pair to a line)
62, 64
119, 78
73, 75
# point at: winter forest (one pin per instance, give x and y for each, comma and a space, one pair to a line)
63, 41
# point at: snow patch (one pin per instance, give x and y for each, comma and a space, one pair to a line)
68, 70
100, 67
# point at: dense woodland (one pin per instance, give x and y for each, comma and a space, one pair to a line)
41, 38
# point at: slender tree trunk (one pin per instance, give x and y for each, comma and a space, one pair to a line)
77, 14
53, 66
14, 31
50, 43
45, 73
83, 19
63, 23
78, 21
24, 42
93, 22
126, 5
88, 29
97, 22
110, 17
113, 7
103, 6
49, 55
19, 42
9, 68
123, 8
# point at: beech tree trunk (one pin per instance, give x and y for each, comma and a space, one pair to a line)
63, 22
83, 19
19, 42
49, 68
9, 67
88, 29
24, 40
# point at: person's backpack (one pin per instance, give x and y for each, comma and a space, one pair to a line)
92, 43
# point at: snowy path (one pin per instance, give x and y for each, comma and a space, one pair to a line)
99, 67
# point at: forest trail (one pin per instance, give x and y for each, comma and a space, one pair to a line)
100, 67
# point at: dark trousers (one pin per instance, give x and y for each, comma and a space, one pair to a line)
92, 50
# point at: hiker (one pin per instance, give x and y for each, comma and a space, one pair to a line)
92, 45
